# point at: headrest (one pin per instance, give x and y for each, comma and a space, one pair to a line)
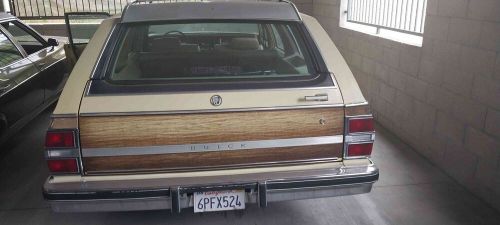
244, 44
165, 44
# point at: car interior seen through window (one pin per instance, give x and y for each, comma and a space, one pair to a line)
28, 41
211, 51
8, 52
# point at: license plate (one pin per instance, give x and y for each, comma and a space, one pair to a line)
219, 200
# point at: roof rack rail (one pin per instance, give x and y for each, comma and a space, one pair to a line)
175, 1
164, 1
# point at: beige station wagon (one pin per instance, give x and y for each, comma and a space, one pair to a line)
209, 105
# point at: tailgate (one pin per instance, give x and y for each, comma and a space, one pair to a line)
164, 132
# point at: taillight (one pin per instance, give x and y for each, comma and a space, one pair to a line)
60, 139
62, 148
357, 125
62, 165
359, 149
359, 136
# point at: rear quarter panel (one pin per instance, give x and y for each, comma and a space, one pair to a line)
335, 62
69, 102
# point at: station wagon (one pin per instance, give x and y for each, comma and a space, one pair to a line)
210, 106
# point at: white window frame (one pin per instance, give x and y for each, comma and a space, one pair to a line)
403, 36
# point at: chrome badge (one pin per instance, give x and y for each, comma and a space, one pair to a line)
216, 100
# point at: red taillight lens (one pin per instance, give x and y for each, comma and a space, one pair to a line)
361, 125
62, 165
60, 139
362, 149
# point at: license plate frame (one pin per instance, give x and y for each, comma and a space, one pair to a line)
213, 201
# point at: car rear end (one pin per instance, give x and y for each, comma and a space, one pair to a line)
211, 114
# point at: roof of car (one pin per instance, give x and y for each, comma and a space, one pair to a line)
142, 11
4, 16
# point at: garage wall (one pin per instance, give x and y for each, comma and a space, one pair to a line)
443, 98
304, 6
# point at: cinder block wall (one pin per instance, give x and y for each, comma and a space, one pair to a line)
304, 6
443, 98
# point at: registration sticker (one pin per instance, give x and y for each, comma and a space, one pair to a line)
219, 200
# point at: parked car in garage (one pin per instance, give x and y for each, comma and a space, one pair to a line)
32, 74
211, 106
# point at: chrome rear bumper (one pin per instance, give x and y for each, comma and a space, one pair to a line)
176, 193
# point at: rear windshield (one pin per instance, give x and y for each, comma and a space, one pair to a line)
214, 51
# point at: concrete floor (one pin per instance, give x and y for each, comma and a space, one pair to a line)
410, 191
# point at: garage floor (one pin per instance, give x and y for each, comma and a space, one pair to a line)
410, 191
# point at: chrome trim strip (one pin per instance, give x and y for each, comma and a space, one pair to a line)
360, 137
211, 147
361, 116
64, 115
99, 57
222, 91
62, 153
55, 62
356, 104
335, 85
211, 110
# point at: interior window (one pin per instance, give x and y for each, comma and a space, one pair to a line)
28, 41
8, 52
219, 51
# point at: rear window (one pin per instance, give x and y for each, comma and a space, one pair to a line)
215, 51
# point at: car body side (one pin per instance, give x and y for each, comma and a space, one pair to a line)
29, 84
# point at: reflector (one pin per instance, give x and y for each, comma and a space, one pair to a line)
361, 125
60, 139
363, 149
62, 165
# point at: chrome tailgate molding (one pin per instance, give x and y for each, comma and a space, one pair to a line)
210, 147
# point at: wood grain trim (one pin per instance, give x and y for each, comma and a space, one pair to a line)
358, 110
154, 130
209, 159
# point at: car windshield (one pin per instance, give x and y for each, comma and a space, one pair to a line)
211, 51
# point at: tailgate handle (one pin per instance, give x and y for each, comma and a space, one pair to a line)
318, 98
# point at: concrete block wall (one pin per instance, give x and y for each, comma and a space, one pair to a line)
443, 98
304, 6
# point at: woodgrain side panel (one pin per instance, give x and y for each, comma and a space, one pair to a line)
154, 130
358, 110
209, 159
